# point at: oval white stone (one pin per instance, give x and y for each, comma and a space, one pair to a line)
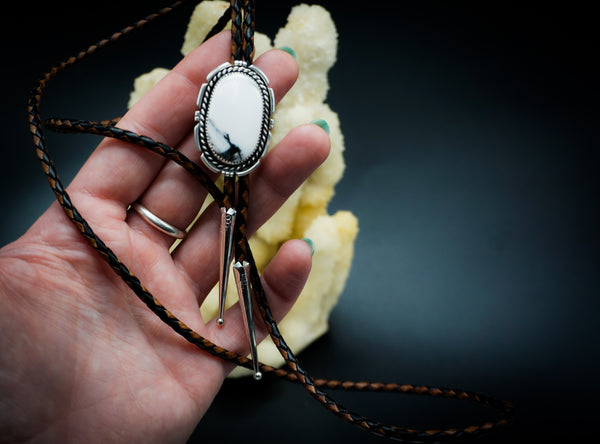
234, 118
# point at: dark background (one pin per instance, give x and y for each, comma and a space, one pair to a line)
472, 164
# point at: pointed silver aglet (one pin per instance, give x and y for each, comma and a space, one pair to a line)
241, 272
226, 244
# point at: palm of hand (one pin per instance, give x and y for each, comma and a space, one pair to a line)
91, 343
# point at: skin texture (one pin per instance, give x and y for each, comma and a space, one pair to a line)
82, 358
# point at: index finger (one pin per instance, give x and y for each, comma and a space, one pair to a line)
119, 171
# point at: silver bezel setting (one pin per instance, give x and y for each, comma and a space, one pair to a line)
210, 156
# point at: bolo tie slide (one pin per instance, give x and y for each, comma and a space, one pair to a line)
233, 126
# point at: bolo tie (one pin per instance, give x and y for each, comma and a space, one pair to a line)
233, 134
232, 145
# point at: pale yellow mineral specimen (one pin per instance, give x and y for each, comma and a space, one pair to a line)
311, 33
143, 83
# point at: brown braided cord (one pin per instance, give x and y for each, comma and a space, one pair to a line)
229, 190
242, 30
236, 31
241, 220
248, 31
294, 372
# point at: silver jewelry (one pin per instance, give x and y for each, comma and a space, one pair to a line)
226, 243
157, 222
234, 118
241, 272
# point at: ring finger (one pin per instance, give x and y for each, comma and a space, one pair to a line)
174, 196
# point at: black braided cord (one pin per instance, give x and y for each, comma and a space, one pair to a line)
294, 371
237, 40
248, 31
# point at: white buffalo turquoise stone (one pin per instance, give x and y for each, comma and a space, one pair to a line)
234, 118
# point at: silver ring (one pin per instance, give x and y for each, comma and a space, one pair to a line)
157, 222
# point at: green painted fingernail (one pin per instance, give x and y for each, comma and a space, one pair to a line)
290, 51
312, 245
323, 124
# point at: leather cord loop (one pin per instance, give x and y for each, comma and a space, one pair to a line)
242, 33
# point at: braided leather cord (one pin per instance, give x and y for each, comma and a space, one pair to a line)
242, 250
248, 31
236, 31
242, 30
294, 373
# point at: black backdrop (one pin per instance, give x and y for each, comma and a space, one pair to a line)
472, 165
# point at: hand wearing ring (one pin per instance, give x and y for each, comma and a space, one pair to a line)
84, 339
